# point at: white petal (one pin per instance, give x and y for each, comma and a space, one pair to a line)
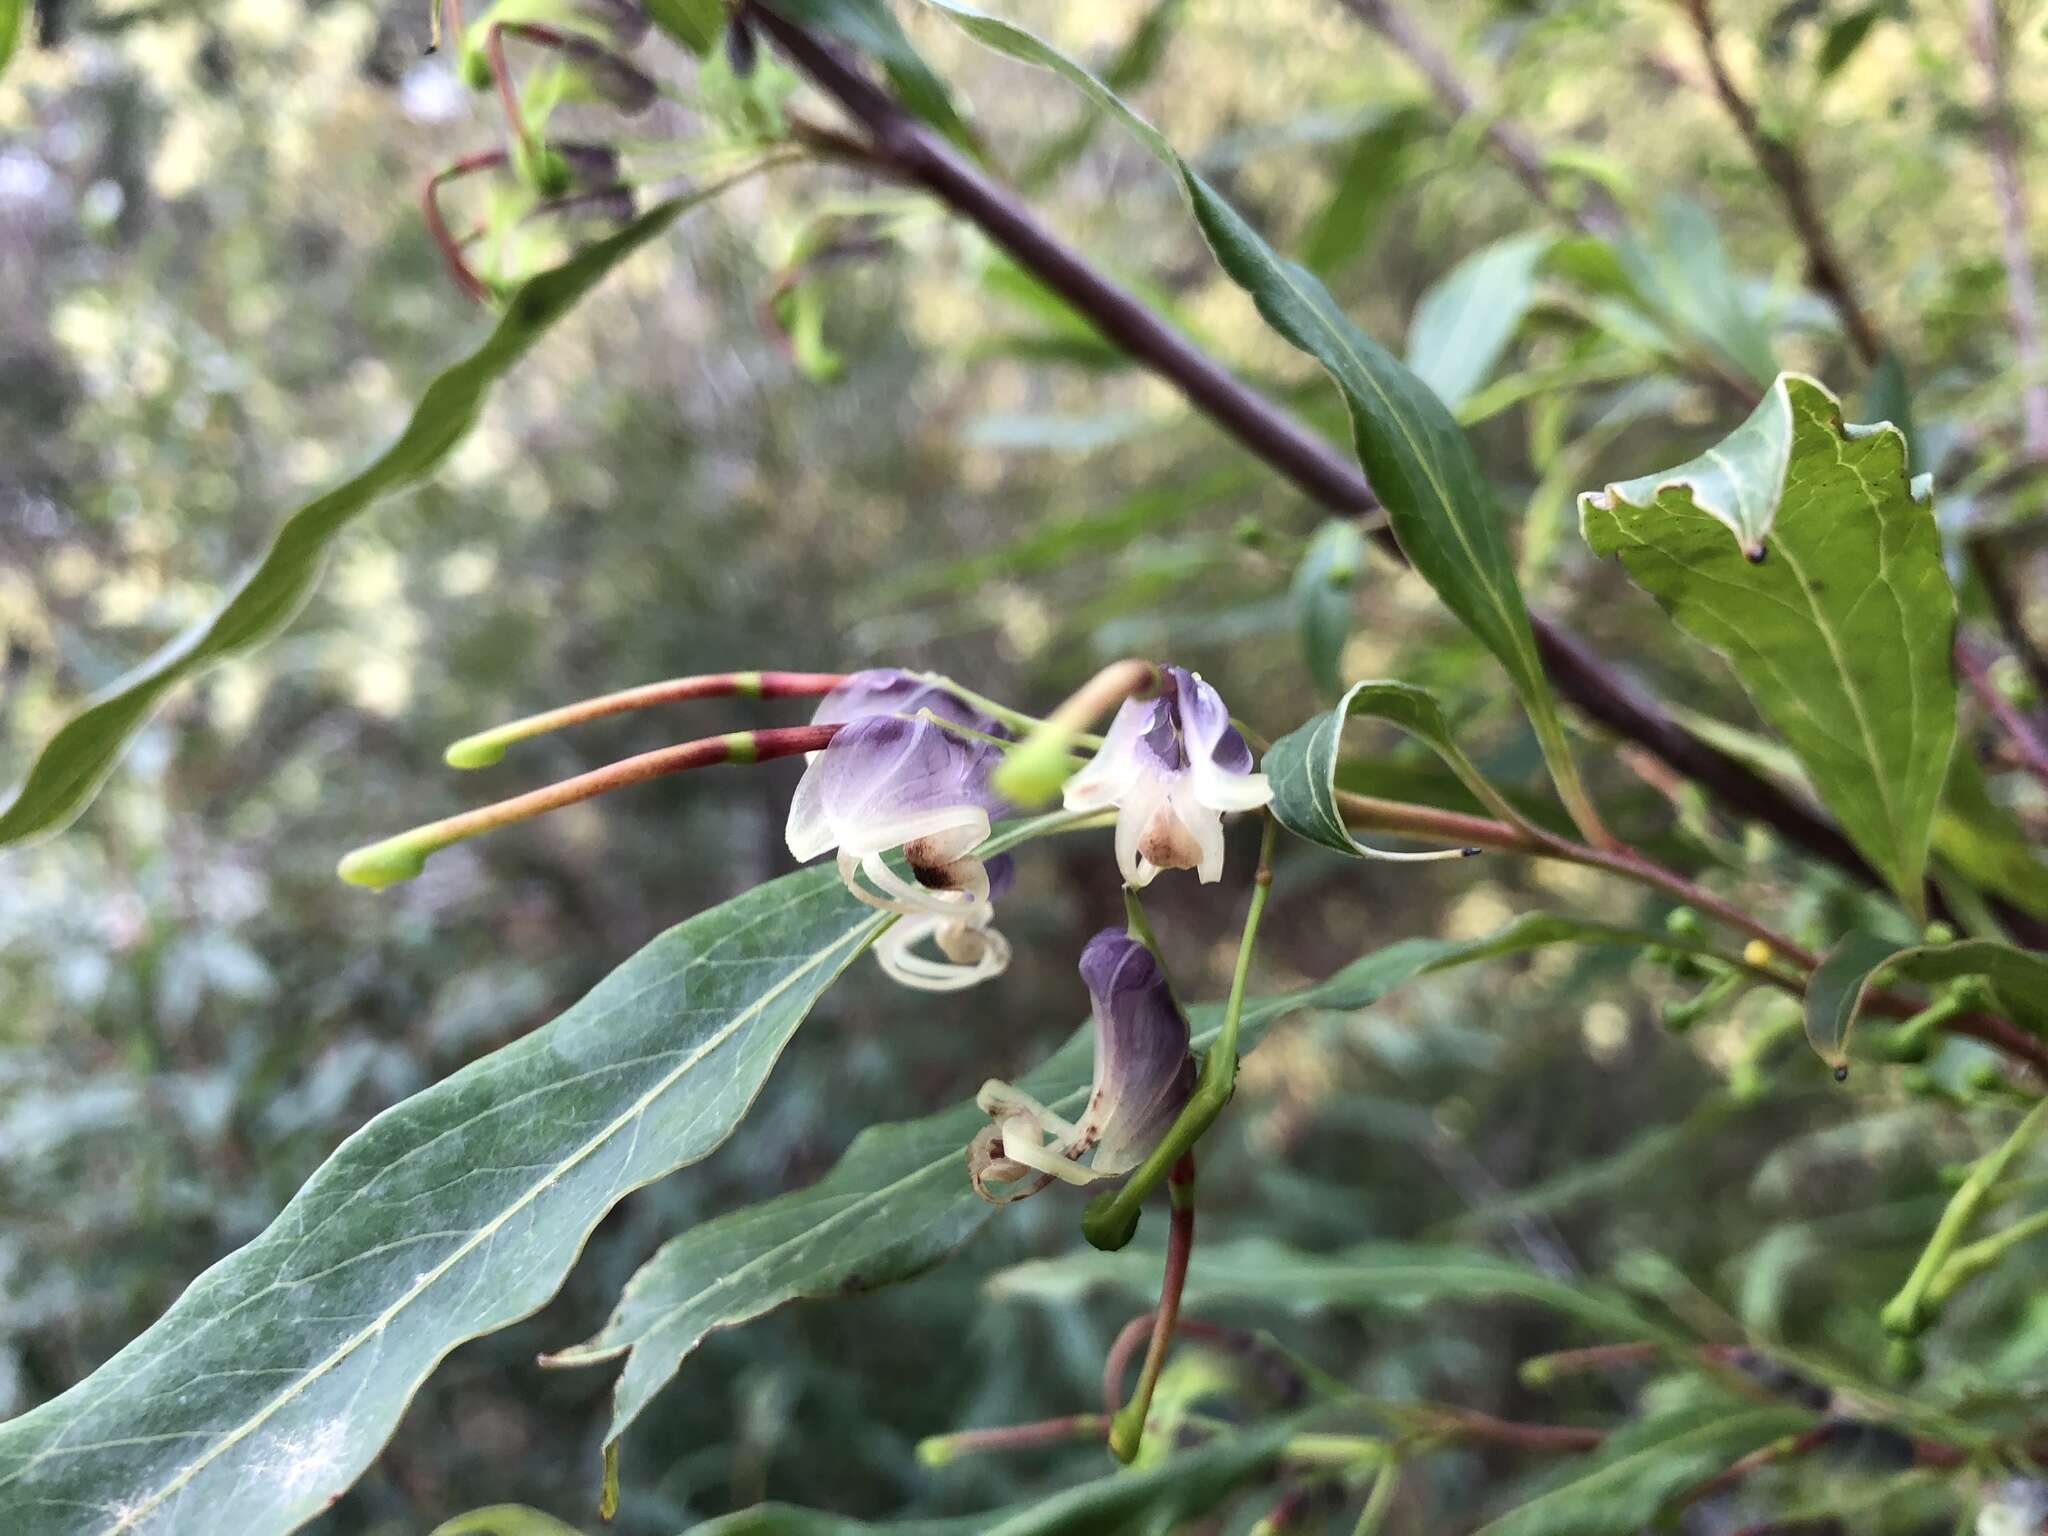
807, 832
1117, 763
895, 952
1222, 790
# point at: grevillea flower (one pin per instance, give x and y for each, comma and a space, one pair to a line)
895, 779
1172, 765
1144, 1076
890, 691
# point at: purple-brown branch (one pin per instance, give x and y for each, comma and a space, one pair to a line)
902, 147
2001, 137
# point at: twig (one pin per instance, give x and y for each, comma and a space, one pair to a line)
1787, 172
2033, 751
1311, 462
2001, 137
1985, 559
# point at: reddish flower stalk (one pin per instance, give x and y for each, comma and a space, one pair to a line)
402, 857
487, 747
1127, 1426
437, 224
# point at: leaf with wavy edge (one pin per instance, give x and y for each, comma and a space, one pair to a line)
1414, 454
1302, 765
898, 1203
69, 771
275, 1379
1797, 549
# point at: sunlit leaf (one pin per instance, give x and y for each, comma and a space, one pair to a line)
1797, 549
275, 1379
1465, 321
1151, 1498
69, 771
1413, 451
1324, 594
1302, 765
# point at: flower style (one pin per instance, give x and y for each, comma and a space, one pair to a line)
1144, 1076
1172, 765
886, 782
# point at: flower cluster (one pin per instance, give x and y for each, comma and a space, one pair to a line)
908, 775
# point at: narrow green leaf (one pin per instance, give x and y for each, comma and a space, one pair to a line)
2016, 978
1845, 34
1412, 449
1324, 596
871, 27
1835, 992
1467, 318
898, 1203
13, 22
1839, 619
71, 768
696, 24
1302, 765
1679, 274
1152, 1498
1985, 842
275, 1379
1378, 1277
1620, 1488
1377, 165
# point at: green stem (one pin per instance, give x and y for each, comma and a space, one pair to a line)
1380, 1502
1111, 1218
1907, 1314
1137, 924
1972, 1259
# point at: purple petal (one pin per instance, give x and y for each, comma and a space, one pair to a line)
892, 691
1143, 1072
882, 769
1204, 722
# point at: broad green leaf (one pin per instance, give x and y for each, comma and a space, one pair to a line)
274, 1380
504, 1520
1302, 765
2017, 980
1619, 1489
1412, 449
1397, 1277
1377, 165
1324, 595
69, 771
898, 1202
1467, 318
1152, 1498
1797, 549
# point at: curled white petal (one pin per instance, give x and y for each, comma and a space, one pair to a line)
896, 953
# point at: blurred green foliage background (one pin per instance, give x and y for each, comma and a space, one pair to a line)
216, 295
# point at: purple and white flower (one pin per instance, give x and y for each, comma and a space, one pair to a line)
1172, 765
1144, 1076
896, 779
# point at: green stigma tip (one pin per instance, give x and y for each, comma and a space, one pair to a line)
1032, 774
382, 864
479, 751
934, 1451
